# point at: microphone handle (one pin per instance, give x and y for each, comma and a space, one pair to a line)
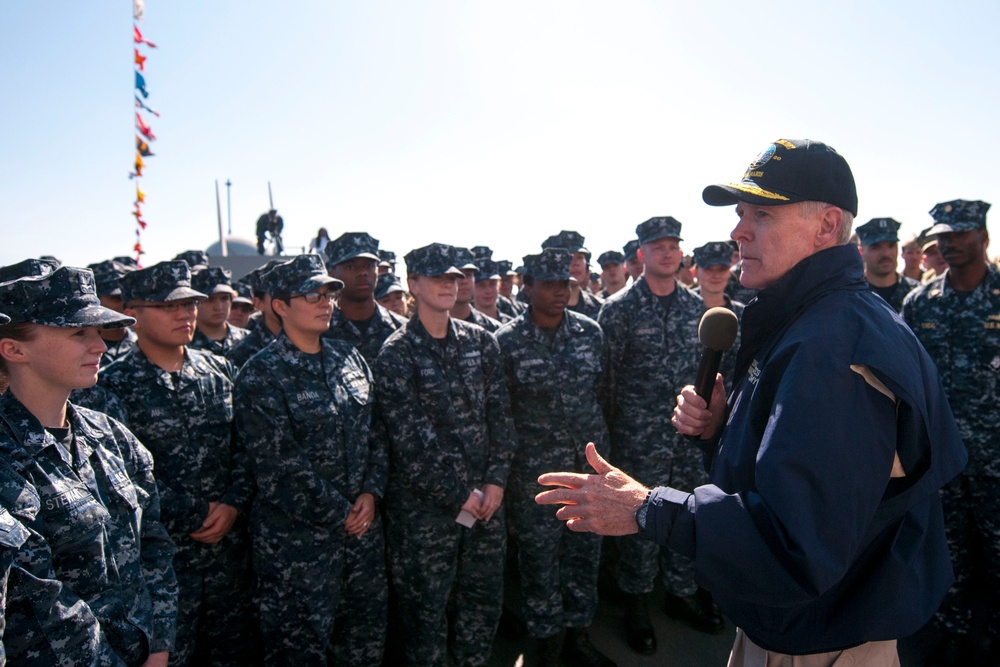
707, 370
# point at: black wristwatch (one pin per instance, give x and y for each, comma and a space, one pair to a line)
640, 513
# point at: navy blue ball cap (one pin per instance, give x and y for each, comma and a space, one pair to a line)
790, 171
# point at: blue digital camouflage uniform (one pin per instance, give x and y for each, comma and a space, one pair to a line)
653, 355
12, 535
588, 304
961, 333
186, 421
255, 341
92, 581
878, 230
213, 280
220, 347
717, 253
380, 327
106, 277
446, 408
307, 423
556, 385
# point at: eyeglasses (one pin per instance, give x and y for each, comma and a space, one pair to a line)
314, 297
173, 306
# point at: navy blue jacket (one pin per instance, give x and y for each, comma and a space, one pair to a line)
822, 526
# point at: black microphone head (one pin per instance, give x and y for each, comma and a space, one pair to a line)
718, 328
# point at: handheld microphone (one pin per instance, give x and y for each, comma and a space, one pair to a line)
717, 333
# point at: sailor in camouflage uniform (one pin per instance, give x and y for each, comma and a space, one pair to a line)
880, 253
196, 259
304, 409
506, 303
581, 300
213, 331
633, 265
390, 294
487, 290
652, 332
463, 310
91, 581
712, 270
106, 276
956, 316
267, 325
242, 309
441, 390
352, 259
613, 275
554, 362
179, 403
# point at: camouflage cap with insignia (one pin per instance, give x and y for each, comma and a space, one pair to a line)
125, 260
436, 259
386, 284
610, 257
193, 258
661, 227
464, 259
351, 245
255, 277
166, 281
505, 268
386, 258
959, 215
244, 294
299, 275
67, 297
107, 275
550, 264
790, 171
572, 241
212, 280
482, 252
486, 269
631, 250
878, 230
713, 254
27, 268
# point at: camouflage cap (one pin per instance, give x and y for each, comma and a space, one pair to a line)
386, 258
107, 275
506, 268
610, 257
193, 257
165, 281
349, 246
125, 260
482, 252
464, 259
550, 264
572, 241
789, 171
713, 254
27, 268
631, 250
244, 294
255, 277
925, 239
436, 259
877, 230
662, 227
299, 275
67, 297
386, 284
212, 280
959, 215
486, 269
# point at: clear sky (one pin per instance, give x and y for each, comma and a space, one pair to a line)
473, 122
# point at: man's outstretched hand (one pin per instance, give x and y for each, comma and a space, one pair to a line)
604, 503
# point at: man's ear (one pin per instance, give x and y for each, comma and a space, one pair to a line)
828, 232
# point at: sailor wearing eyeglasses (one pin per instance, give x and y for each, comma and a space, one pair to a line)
304, 409
179, 403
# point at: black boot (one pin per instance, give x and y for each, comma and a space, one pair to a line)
547, 650
698, 611
578, 651
638, 628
